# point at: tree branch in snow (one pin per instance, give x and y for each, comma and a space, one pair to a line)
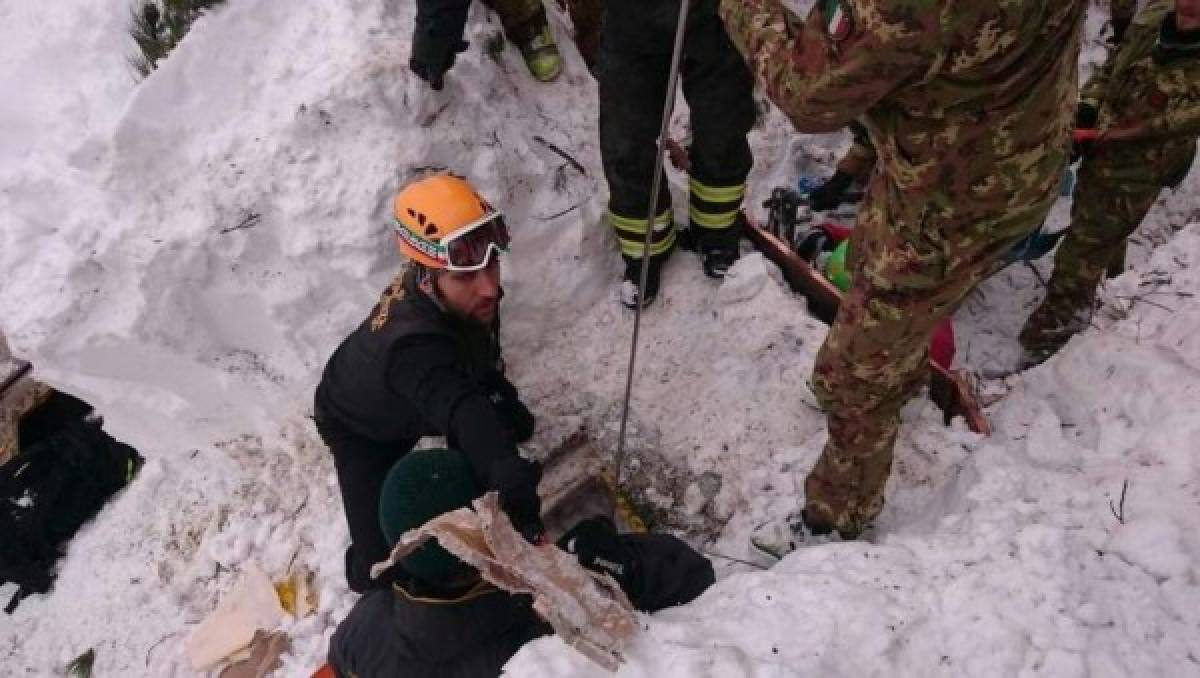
158, 26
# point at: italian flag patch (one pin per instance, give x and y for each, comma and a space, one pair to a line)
838, 21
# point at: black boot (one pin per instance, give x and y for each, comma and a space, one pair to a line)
718, 248
631, 296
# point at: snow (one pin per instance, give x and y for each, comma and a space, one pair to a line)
185, 252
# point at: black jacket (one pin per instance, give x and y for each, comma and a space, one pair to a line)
388, 633
412, 370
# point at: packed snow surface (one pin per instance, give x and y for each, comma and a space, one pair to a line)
184, 252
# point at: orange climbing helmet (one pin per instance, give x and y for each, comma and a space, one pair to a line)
441, 222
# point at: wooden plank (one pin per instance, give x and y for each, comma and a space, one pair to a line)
949, 390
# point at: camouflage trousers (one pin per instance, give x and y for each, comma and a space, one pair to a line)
910, 271
1102, 218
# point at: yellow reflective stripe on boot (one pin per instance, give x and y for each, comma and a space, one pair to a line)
714, 221
638, 225
633, 248
717, 193
631, 233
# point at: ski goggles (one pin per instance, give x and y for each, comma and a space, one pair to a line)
468, 249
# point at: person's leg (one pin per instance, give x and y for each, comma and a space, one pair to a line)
1102, 218
587, 16
910, 271
635, 59
437, 38
525, 25
719, 89
361, 467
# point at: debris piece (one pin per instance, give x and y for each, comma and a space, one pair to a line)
264, 652
588, 611
251, 605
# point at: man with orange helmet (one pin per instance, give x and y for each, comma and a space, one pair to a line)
426, 362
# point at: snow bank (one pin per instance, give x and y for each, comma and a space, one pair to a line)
185, 253
996, 557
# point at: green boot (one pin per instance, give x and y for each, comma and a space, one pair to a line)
541, 55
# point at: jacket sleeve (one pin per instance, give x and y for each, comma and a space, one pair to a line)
1180, 119
848, 55
425, 371
671, 572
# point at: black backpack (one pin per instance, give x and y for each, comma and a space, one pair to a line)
60, 478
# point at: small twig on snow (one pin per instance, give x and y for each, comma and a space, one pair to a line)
432, 117
561, 153
250, 221
731, 559
157, 643
295, 512
1118, 511
1133, 299
559, 214
1037, 274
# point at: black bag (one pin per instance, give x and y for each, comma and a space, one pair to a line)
48, 490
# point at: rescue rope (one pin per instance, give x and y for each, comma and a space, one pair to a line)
668, 107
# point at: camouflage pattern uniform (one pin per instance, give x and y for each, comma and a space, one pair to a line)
969, 106
1155, 89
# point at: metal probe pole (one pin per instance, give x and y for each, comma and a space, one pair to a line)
668, 107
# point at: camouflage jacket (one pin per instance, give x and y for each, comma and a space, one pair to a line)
968, 104
1151, 85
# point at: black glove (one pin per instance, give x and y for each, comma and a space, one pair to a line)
503, 396
516, 480
829, 194
599, 548
432, 57
1119, 26
1086, 116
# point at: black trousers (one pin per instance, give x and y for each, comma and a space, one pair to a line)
362, 465
634, 68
